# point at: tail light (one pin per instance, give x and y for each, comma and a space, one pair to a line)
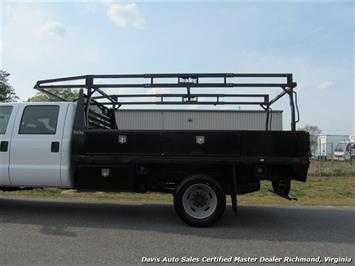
304, 162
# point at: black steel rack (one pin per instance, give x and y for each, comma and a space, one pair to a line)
93, 88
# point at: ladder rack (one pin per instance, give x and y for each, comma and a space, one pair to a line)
94, 89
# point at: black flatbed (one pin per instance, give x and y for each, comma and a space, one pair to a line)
158, 160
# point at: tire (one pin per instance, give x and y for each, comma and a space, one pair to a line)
281, 186
199, 201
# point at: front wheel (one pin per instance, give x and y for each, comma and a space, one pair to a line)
199, 201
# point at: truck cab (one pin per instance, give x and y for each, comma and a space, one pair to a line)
35, 144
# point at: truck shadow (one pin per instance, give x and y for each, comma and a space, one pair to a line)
253, 222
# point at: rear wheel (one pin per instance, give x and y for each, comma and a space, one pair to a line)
281, 186
199, 201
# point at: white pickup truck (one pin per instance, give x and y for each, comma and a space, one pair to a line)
80, 145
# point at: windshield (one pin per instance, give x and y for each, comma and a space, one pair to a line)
5, 112
340, 147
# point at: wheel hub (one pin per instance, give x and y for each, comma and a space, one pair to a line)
199, 201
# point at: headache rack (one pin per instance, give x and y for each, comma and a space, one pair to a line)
98, 105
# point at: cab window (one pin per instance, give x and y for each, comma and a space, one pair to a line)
39, 120
5, 112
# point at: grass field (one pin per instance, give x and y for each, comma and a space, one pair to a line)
318, 190
331, 168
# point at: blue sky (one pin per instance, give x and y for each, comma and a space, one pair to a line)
313, 40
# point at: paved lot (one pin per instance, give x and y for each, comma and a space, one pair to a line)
35, 232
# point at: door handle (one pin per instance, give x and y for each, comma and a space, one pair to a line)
4, 146
55, 146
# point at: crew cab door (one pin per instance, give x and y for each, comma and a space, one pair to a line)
35, 154
7, 114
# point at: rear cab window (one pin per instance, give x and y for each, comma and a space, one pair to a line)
39, 119
5, 113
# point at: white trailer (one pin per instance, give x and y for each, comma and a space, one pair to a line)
326, 145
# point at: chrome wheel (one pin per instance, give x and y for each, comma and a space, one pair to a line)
199, 201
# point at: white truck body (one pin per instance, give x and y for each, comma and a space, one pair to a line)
345, 151
326, 145
28, 160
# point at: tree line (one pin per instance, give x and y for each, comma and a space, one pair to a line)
7, 92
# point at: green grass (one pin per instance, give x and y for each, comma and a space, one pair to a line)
322, 191
331, 168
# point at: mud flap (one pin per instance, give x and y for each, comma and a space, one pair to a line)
234, 189
281, 187
289, 197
